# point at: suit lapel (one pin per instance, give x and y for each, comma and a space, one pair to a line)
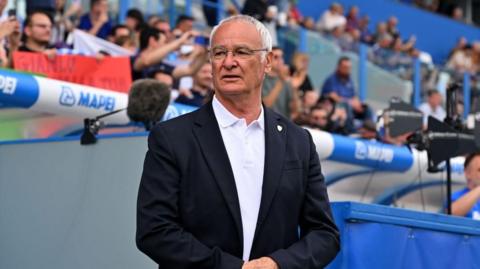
210, 140
275, 146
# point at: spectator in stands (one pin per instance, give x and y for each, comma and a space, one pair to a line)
332, 18
37, 33
201, 89
277, 90
134, 20
152, 20
9, 30
353, 20
381, 51
122, 36
255, 8
466, 202
299, 73
319, 118
433, 107
392, 29
461, 61
153, 49
3, 12
270, 21
164, 27
309, 23
184, 24
97, 22
457, 14
460, 45
381, 33
337, 117
365, 35
62, 24
339, 87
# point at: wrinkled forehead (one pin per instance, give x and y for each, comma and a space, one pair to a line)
234, 33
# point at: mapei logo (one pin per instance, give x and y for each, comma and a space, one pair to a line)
86, 99
8, 85
67, 97
364, 151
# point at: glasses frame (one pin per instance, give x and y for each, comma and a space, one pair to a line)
234, 55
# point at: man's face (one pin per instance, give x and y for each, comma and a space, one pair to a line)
131, 23
100, 7
235, 75
472, 173
39, 29
163, 26
186, 25
435, 100
277, 60
121, 33
203, 77
344, 68
319, 118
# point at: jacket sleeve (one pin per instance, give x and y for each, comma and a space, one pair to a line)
319, 237
160, 234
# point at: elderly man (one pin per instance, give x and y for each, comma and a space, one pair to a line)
233, 184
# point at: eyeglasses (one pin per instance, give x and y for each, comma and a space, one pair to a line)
220, 53
43, 26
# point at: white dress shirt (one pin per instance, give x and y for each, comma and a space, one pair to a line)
245, 147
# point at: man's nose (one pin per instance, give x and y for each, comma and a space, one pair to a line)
229, 61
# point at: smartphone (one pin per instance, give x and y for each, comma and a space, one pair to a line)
202, 40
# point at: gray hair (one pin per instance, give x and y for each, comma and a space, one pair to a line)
262, 30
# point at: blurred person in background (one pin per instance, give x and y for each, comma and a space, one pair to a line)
122, 36
461, 62
201, 90
164, 27
299, 73
319, 118
153, 49
62, 23
432, 107
9, 31
96, 22
339, 87
134, 20
331, 18
353, 19
184, 24
392, 24
37, 34
277, 90
365, 35
466, 202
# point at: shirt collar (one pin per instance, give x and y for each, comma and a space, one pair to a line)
225, 118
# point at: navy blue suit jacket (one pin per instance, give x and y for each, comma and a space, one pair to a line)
188, 214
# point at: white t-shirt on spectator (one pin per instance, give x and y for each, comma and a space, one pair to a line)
439, 113
330, 20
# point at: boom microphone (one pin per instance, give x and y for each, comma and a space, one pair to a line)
147, 102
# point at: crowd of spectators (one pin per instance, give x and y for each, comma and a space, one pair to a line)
173, 56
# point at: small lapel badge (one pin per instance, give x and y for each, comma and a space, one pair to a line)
279, 128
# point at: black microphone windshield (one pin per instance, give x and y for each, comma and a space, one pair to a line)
147, 101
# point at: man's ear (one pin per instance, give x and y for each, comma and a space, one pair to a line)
268, 62
27, 31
